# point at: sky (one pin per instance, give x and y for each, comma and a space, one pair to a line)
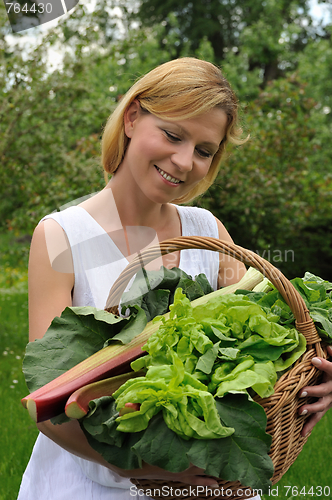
321, 11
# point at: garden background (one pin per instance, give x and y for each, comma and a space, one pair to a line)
273, 193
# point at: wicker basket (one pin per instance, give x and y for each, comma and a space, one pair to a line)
283, 422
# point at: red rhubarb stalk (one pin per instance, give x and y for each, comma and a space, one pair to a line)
129, 408
77, 405
50, 400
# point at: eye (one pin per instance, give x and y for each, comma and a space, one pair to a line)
171, 137
204, 153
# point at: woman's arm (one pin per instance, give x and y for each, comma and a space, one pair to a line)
51, 281
230, 269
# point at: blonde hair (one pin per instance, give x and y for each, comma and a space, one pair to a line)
176, 90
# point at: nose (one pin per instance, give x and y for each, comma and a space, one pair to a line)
183, 157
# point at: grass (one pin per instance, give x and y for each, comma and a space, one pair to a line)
311, 471
18, 432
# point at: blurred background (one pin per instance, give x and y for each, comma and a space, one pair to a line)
60, 82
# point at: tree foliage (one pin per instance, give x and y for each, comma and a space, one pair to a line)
51, 122
270, 32
267, 193
273, 193
42, 118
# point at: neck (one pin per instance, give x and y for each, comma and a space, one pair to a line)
134, 208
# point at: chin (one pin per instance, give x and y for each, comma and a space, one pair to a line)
163, 198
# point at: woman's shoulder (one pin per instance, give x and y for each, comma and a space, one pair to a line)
201, 219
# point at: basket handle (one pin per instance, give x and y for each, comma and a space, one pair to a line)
304, 323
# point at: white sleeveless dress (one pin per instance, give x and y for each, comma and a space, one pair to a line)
53, 473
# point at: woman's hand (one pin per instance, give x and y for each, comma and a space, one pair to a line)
322, 391
193, 476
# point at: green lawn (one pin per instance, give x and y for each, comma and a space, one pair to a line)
18, 432
312, 469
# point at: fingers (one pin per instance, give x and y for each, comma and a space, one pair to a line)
193, 476
322, 391
325, 388
323, 404
311, 422
317, 391
199, 481
323, 365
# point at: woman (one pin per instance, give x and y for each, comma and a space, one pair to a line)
162, 145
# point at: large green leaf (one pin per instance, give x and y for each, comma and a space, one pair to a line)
242, 456
73, 337
247, 452
161, 286
100, 429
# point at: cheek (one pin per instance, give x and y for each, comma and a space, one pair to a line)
202, 170
147, 148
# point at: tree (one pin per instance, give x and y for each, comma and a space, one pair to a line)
268, 194
315, 68
269, 31
40, 113
273, 194
51, 122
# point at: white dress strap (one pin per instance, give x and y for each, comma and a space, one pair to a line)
199, 222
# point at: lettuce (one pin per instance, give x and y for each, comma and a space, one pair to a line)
317, 295
187, 406
196, 334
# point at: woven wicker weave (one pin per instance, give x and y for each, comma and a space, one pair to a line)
283, 422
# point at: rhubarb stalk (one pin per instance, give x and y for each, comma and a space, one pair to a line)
77, 405
49, 401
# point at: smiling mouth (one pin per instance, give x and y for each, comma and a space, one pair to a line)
166, 176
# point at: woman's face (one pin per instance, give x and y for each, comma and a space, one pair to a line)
166, 159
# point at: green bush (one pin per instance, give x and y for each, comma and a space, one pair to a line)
267, 193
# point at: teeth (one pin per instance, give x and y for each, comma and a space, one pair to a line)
168, 177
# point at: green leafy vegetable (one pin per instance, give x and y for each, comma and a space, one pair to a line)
162, 285
195, 334
187, 406
317, 295
241, 456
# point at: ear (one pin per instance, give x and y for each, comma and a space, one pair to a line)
130, 117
